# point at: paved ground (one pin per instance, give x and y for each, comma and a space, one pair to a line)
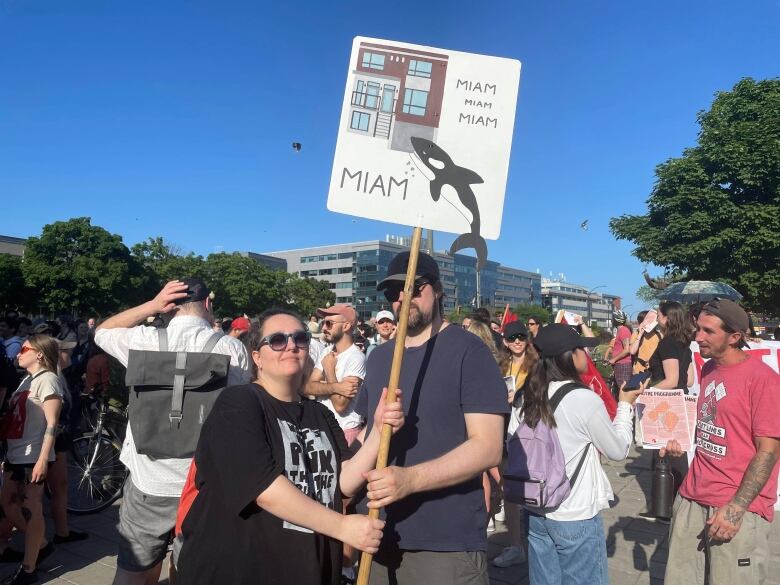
637, 547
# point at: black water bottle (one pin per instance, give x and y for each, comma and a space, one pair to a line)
663, 489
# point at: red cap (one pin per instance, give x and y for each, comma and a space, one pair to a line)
341, 310
241, 323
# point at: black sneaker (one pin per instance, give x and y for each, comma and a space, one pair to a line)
45, 552
10, 555
73, 536
22, 577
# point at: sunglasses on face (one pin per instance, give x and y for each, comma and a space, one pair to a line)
513, 338
393, 292
25, 349
531, 324
330, 323
278, 341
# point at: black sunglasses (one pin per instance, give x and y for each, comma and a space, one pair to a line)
531, 323
278, 341
516, 337
393, 292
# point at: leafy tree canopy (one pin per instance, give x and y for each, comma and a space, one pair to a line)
306, 295
75, 266
14, 293
525, 311
714, 212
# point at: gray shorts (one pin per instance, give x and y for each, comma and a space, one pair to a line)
412, 567
146, 526
695, 560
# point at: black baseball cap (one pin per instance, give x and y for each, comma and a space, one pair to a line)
559, 338
427, 269
196, 291
515, 328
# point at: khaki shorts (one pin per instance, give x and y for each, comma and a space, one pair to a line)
693, 558
420, 567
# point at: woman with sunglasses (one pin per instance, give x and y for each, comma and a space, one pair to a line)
30, 429
522, 358
272, 468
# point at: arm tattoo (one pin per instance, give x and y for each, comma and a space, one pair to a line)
50, 432
757, 474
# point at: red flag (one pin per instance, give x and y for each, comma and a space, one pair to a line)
508, 317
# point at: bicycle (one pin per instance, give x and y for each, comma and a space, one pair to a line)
96, 476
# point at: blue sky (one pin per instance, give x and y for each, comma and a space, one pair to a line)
175, 119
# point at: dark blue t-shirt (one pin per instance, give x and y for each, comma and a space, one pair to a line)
452, 374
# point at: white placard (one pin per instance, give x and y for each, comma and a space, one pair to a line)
458, 107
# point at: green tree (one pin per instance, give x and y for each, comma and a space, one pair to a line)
714, 212
77, 267
162, 262
243, 285
651, 296
14, 293
525, 311
305, 295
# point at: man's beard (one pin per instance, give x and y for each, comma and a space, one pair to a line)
335, 336
418, 321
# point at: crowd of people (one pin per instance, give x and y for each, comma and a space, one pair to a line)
279, 483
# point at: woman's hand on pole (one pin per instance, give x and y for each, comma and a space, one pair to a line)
361, 532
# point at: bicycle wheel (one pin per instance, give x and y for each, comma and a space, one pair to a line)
96, 476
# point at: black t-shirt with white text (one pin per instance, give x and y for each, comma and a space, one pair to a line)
249, 439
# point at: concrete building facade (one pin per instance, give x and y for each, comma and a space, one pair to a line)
594, 306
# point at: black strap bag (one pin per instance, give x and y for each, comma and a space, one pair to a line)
171, 395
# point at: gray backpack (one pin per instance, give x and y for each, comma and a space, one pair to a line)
171, 395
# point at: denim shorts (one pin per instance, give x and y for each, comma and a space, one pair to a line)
566, 552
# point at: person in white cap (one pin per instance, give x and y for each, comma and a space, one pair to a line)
385, 329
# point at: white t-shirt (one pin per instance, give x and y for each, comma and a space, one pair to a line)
166, 477
581, 419
28, 421
350, 362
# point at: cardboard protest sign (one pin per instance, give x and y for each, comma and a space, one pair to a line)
424, 139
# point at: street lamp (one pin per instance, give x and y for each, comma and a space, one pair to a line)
588, 300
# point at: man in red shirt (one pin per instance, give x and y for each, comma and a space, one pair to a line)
726, 503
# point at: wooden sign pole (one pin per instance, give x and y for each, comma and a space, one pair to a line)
395, 375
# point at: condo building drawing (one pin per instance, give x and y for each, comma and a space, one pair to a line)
397, 93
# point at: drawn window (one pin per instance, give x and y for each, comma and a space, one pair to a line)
420, 68
360, 121
359, 94
372, 96
415, 101
373, 60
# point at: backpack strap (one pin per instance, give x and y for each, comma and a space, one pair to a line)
177, 396
211, 342
559, 395
162, 338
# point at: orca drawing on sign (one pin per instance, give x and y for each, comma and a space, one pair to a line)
439, 167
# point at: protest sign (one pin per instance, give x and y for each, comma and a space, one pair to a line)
664, 416
424, 139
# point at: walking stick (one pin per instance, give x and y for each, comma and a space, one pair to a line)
395, 374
